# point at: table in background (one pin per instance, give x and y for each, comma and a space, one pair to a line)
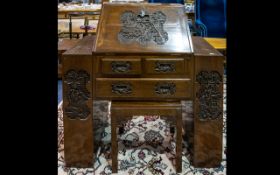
92, 11
63, 26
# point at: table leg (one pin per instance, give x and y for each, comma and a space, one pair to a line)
179, 141
114, 142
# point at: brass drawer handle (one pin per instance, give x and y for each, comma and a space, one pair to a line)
121, 88
121, 66
165, 88
164, 67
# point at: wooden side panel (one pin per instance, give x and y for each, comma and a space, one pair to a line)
208, 110
77, 106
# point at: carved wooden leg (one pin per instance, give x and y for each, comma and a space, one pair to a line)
179, 141
77, 111
114, 142
77, 107
208, 111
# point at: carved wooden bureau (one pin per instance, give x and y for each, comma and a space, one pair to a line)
143, 53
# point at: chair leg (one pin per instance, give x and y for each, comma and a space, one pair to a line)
179, 142
114, 144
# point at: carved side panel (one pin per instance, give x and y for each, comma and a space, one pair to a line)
209, 96
208, 109
77, 94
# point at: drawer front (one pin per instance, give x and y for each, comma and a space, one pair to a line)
120, 66
164, 65
143, 88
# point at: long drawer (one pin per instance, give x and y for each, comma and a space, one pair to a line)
143, 88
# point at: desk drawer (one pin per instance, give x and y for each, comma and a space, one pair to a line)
143, 88
164, 65
121, 66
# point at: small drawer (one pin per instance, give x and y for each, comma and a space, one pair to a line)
164, 66
121, 66
143, 88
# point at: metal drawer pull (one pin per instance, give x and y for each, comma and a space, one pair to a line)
165, 88
121, 66
121, 88
164, 67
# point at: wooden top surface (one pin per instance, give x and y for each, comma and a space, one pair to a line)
83, 47
217, 43
203, 48
66, 44
143, 15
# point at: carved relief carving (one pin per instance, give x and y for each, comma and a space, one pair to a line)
209, 95
77, 94
143, 27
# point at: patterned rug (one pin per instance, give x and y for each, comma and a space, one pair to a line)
146, 146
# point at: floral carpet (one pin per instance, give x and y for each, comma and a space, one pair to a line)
146, 147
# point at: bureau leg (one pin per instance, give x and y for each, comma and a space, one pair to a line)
114, 143
208, 112
179, 141
77, 111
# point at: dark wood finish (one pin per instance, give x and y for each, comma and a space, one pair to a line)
146, 85
78, 133
207, 134
123, 111
110, 25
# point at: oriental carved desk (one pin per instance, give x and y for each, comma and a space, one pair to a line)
143, 59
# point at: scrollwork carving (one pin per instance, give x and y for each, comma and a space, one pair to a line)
143, 27
77, 94
209, 95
